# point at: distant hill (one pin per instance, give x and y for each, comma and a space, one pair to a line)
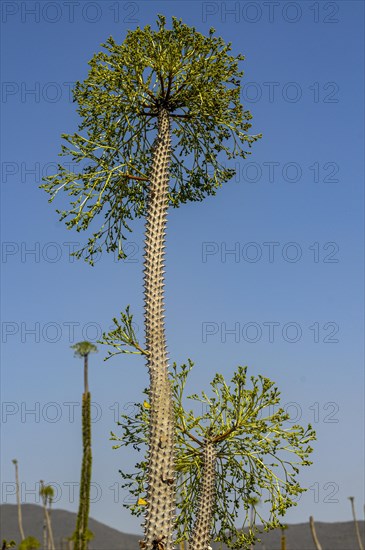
332, 536
63, 525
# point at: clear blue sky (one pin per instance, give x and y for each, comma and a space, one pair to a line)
296, 302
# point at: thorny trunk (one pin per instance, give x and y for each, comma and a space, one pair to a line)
314, 534
83, 513
201, 534
87, 473
20, 521
158, 526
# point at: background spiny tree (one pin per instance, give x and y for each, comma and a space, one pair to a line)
47, 493
283, 528
357, 529
18, 499
82, 534
160, 113
241, 450
314, 533
253, 501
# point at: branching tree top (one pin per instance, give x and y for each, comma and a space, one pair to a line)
258, 454
46, 492
190, 75
82, 349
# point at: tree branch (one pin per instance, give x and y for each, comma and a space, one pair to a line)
141, 350
138, 178
168, 87
161, 83
152, 113
181, 116
184, 431
225, 435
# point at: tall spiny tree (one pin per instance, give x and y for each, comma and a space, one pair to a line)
82, 534
181, 91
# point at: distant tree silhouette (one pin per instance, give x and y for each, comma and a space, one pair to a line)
47, 493
18, 501
358, 534
314, 534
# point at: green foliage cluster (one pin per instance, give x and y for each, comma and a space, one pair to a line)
82, 349
257, 454
123, 337
47, 493
29, 543
197, 81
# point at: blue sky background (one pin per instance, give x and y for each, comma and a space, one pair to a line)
301, 189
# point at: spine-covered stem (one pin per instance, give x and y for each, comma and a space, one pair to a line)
83, 513
158, 527
87, 471
201, 535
